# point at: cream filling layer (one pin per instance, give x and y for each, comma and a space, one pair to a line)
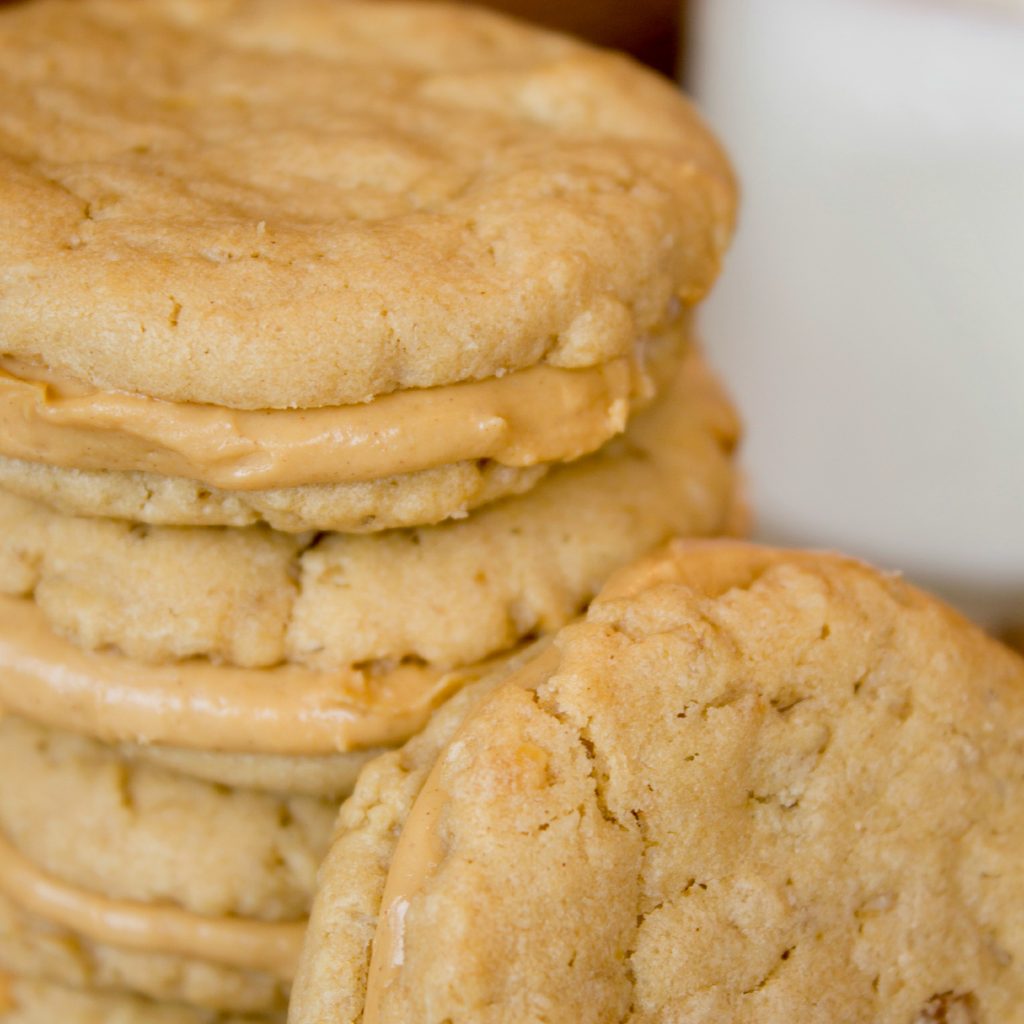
233, 942
201, 705
541, 414
420, 852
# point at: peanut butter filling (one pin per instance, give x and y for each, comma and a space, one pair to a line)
201, 705
420, 852
234, 942
541, 414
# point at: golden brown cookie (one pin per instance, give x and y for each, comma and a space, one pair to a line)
378, 303
271, 206
411, 499
751, 785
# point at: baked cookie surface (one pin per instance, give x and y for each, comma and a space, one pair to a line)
751, 785
410, 499
314, 203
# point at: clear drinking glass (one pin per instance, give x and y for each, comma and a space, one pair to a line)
871, 316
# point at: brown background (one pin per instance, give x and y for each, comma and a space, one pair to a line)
649, 29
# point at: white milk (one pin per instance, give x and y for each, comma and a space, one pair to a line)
871, 317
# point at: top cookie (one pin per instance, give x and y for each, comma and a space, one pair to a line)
269, 205
751, 786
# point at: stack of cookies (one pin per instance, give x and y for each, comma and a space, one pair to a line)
345, 348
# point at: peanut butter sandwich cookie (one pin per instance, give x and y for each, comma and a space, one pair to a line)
750, 785
254, 642
346, 348
332, 265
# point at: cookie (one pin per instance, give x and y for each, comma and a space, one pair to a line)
30, 1001
447, 595
751, 785
134, 876
409, 499
310, 205
333, 347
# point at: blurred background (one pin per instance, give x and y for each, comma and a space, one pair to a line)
870, 320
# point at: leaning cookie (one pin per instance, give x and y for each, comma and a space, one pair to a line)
332, 245
751, 785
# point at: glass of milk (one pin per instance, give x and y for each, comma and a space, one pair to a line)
871, 317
